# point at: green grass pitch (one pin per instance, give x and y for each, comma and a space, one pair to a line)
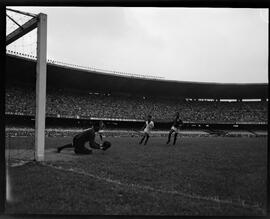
197, 176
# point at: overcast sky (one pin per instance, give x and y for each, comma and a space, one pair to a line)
186, 44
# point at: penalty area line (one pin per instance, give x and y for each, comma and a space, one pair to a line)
240, 203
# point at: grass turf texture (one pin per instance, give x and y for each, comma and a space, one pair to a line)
155, 179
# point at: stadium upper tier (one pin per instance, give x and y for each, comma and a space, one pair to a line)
77, 104
60, 75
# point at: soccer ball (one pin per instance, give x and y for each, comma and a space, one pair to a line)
106, 145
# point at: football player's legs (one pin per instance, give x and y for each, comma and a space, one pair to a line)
141, 141
59, 149
147, 137
175, 136
71, 145
170, 134
80, 149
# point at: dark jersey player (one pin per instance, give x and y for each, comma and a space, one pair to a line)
87, 135
177, 122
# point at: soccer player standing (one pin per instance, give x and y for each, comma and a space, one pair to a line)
149, 124
87, 135
177, 122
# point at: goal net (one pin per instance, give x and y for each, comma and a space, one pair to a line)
26, 36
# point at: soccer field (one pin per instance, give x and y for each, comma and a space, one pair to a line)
197, 176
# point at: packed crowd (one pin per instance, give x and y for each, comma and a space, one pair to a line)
66, 103
26, 131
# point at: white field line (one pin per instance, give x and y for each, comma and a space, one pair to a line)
240, 203
19, 163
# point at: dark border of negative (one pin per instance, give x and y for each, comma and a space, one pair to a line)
101, 3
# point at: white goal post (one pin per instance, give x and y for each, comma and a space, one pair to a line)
40, 22
41, 76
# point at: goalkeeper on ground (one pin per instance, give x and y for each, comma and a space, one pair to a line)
87, 135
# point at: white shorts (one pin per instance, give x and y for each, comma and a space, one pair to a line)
175, 129
147, 131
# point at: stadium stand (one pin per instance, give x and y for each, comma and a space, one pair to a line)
20, 100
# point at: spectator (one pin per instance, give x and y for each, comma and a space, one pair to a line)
67, 103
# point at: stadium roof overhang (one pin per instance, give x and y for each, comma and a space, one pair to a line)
20, 69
